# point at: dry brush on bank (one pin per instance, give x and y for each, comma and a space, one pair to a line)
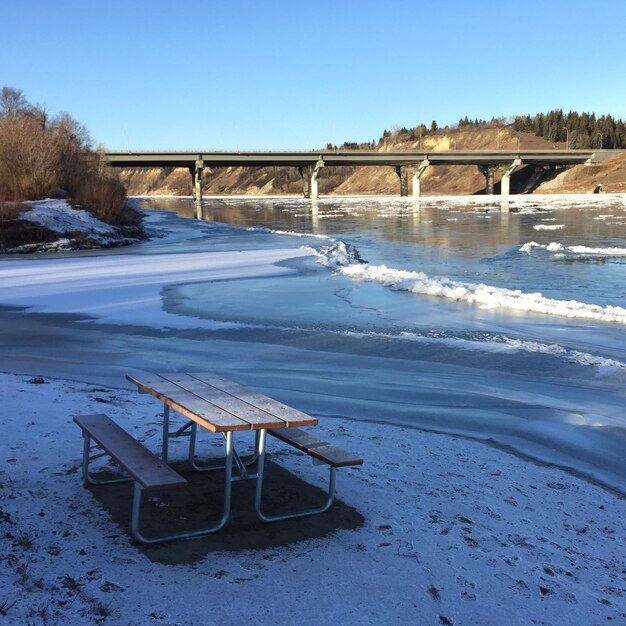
52, 156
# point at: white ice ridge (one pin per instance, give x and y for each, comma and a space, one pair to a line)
485, 296
500, 343
288, 233
575, 356
338, 254
548, 226
559, 248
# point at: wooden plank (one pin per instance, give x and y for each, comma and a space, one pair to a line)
335, 456
289, 415
297, 438
257, 418
189, 404
315, 447
144, 466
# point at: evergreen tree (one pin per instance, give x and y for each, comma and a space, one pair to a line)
585, 130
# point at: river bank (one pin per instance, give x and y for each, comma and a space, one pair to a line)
53, 225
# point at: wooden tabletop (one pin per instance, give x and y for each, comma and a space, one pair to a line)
219, 404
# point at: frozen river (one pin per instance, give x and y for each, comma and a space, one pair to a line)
501, 323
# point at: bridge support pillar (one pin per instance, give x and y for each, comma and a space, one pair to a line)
403, 175
488, 172
306, 171
505, 182
309, 179
314, 187
416, 187
196, 178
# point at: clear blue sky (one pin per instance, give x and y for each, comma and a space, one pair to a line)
239, 74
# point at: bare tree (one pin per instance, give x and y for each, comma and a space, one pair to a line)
13, 102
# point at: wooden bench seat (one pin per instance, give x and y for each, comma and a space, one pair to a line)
144, 468
319, 450
315, 447
142, 465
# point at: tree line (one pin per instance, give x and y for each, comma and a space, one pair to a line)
579, 130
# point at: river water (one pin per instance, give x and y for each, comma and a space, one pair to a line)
497, 321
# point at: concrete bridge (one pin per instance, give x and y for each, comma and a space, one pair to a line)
407, 164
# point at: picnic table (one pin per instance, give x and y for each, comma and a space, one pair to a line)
217, 405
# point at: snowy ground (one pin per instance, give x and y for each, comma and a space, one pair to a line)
60, 217
452, 532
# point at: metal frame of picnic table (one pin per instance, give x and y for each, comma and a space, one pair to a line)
145, 383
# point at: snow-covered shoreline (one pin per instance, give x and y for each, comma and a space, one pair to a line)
58, 216
453, 532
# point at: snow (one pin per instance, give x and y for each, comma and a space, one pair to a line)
127, 288
57, 215
548, 226
561, 250
60, 217
452, 531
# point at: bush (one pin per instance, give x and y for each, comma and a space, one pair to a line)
104, 196
40, 155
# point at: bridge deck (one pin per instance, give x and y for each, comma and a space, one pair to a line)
351, 157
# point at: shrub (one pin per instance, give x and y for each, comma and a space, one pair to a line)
102, 194
39, 155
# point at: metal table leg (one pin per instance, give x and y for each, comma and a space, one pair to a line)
259, 489
166, 431
87, 476
136, 512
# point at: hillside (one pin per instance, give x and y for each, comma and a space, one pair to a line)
440, 180
581, 179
